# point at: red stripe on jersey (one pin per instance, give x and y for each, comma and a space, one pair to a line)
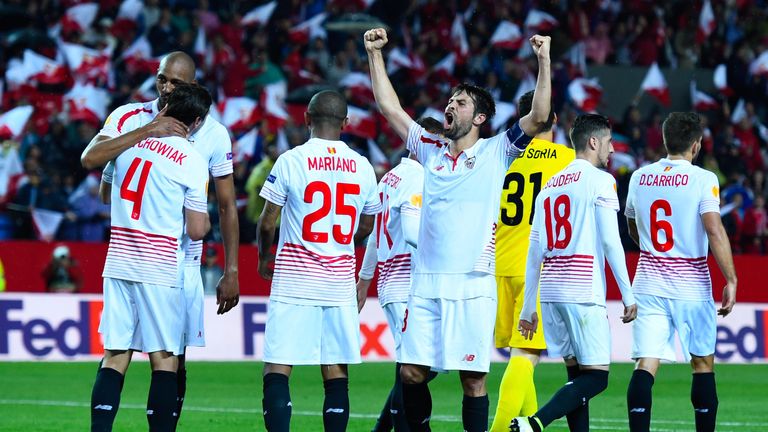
329, 258
122, 250
648, 255
128, 115
169, 239
141, 243
427, 140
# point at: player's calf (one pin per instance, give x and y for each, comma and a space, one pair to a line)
161, 403
105, 399
704, 400
639, 400
336, 404
276, 403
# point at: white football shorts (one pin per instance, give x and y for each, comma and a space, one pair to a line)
450, 334
579, 331
311, 335
143, 317
194, 300
653, 332
395, 312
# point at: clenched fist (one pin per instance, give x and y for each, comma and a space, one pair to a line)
540, 45
375, 39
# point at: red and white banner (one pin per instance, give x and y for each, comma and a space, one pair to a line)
539, 22
238, 113
259, 15
459, 37
65, 327
759, 66
86, 102
504, 112
585, 93
12, 122
702, 101
362, 123
655, 85
309, 29
707, 22
507, 36
81, 15
87, 64
720, 78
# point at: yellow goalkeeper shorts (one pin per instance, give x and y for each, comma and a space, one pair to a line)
510, 303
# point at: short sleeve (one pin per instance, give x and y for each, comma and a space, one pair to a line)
605, 195
196, 195
123, 119
275, 189
372, 201
421, 142
108, 173
629, 211
220, 164
709, 201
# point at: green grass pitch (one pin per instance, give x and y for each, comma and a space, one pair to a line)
227, 397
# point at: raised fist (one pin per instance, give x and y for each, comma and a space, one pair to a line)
375, 39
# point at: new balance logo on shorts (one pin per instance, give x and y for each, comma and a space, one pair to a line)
103, 407
469, 358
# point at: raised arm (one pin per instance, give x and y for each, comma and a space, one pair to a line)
386, 98
532, 122
104, 148
721, 249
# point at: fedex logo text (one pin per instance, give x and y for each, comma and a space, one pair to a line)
749, 342
40, 336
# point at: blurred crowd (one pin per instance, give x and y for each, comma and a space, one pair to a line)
263, 60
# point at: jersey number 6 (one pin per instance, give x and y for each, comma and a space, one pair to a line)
342, 209
661, 225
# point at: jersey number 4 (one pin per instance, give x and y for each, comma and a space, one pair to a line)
382, 220
516, 198
559, 214
135, 196
342, 209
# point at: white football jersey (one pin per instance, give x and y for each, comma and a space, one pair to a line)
400, 193
666, 199
323, 187
153, 182
211, 141
461, 201
564, 225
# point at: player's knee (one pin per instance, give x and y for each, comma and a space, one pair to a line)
704, 364
473, 383
412, 374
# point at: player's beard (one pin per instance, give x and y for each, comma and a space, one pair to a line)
162, 101
457, 130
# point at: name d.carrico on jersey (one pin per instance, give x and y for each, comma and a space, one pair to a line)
162, 149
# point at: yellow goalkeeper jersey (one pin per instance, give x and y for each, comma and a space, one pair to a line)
526, 176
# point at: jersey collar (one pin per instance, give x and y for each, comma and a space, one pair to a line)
409, 161
674, 161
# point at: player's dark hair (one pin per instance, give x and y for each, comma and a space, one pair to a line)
187, 102
525, 105
483, 100
432, 125
586, 126
680, 131
327, 107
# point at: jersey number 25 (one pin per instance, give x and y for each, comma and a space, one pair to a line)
342, 209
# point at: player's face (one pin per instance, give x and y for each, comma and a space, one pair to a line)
604, 149
459, 115
169, 75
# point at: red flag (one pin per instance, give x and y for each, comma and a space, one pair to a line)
12, 122
359, 84
655, 85
539, 22
309, 30
86, 63
507, 36
245, 147
459, 37
238, 113
706, 22
702, 101
720, 78
759, 66
361, 123
504, 112
273, 102
398, 59
446, 65
138, 56
585, 93
80, 17
88, 103
259, 15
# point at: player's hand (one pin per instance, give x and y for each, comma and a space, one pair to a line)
729, 299
266, 270
528, 328
630, 313
362, 293
227, 293
375, 39
540, 45
164, 126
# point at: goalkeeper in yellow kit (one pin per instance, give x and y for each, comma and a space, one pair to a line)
525, 178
